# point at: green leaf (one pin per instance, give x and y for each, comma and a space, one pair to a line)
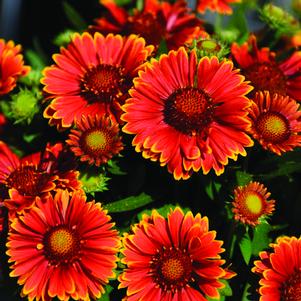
114, 169
212, 188
284, 169
74, 17
105, 296
245, 246
140, 5
227, 290
130, 203
261, 238
35, 59
243, 178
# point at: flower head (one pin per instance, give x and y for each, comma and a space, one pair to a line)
261, 67
220, 6
92, 76
158, 21
189, 115
11, 66
275, 122
63, 247
176, 258
280, 270
251, 203
96, 139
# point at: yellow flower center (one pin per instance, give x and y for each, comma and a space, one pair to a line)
291, 289
96, 140
253, 202
61, 241
273, 127
172, 269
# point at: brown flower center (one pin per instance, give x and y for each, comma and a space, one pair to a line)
61, 245
171, 269
102, 82
27, 180
266, 76
189, 110
273, 127
291, 289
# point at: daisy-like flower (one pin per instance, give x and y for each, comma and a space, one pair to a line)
92, 76
189, 115
63, 247
157, 21
176, 258
220, 6
275, 122
280, 271
11, 66
33, 176
96, 139
251, 203
261, 67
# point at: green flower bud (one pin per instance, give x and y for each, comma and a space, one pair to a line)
63, 38
94, 183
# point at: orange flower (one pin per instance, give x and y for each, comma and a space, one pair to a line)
11, 66
92, 76
63, 247
265, 72
96, 139
220, 6
251, 203
173, 259
158, 21
275, 122
32, 176
189, 115
280, 271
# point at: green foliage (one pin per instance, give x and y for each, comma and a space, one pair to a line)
94, 183
245, 245
63, 38
114, 168
243, 178
74, 17
261, 238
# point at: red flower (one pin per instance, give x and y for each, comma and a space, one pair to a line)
251, 203
220, 6
158, 21
280, 271
189, 115
32, 176
11, 66
265, 72
96, 139
173, 259
275, 122
92, 76
63, 247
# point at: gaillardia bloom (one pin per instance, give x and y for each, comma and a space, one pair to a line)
157, 21
33, 176
92, 76
172, 259
265, 72
220, 6
276, 122
63, 247
251, 203
280, 271
96, 139
189, 115
11, 66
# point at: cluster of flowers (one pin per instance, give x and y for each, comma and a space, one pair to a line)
158, 75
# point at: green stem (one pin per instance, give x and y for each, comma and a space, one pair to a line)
245, 292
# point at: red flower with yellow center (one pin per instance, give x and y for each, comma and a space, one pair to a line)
280, 271
275, 122
265, 72
35, 175
220, 6
92, 76
157, 21
11, 66
96, 139
172, 259
251, 203
189, 115
63, 247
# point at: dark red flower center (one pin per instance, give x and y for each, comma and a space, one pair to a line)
27, 180
61, 245
266, 76
102, 82
291, 289
189, 110
273, 127
171, 269
148, 26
